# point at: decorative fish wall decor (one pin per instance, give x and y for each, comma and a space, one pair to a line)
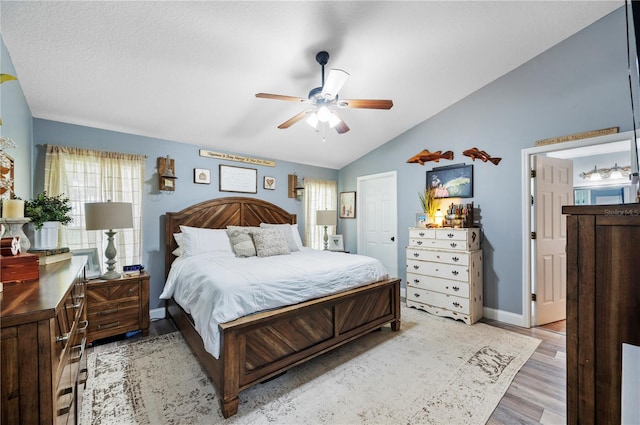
474, 153
426, 156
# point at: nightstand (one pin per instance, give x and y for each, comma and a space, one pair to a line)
118, 306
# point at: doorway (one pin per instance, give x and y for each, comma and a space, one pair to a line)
377, 211
596, 145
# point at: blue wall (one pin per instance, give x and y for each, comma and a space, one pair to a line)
155, 203
16, 124
579, 85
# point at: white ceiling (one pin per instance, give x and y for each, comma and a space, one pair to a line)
188, 71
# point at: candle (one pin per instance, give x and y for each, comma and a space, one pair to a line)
12, 208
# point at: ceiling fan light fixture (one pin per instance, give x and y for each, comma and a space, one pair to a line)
312, 120
334, 119
323, 113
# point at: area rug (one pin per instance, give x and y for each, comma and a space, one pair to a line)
433, 371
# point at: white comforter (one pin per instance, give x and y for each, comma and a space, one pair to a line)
216, 290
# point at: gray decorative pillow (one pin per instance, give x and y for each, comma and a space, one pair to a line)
286, 231
241, 240
269, 242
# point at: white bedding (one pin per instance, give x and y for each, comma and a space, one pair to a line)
217, 289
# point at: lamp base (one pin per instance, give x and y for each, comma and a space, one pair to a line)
326, 239
110, 254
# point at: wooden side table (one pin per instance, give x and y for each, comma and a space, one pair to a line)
118, 306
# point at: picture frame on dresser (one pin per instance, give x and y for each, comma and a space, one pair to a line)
92, 267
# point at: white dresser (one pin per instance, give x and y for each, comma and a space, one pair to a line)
444, 272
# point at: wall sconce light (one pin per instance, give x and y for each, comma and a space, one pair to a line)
614, 172
296, 188
166, 174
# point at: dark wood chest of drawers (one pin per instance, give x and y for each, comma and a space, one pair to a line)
118, 306
43, 340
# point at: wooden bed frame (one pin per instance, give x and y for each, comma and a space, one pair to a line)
258, 347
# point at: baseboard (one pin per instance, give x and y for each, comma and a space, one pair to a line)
504, 316
157, 313
403, 293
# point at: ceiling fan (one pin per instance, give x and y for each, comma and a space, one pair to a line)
324, 100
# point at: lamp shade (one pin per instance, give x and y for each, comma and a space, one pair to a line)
108, 215
326, 217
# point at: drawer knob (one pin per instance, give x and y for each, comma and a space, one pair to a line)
416, 295
455, 272
455, 259
416, 267
455, 288
421, 233
108, 325
107, 312
419, 242
450, 235
415, 254
456, 304
83, 325
453, 244
416, 280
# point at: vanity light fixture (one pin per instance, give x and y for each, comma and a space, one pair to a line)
612, 173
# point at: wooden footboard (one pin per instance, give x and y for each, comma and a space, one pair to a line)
258, 347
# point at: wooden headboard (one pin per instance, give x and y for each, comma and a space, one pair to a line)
218, 214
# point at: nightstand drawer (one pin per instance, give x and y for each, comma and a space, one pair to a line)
113, 292
128, 318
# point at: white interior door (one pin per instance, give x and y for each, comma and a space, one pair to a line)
553, 188
377, 219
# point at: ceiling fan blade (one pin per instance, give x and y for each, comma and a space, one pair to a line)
341, 127
365, 103
280, 97
291, 121
334, 83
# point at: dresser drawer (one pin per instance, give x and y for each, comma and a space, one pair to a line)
445, 286
446, 271
452, 235
422, 233
449, 302
439, 244
438, 256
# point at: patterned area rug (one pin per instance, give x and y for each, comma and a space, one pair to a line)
433, 371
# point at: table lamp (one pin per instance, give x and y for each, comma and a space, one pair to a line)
108, 216
326, 218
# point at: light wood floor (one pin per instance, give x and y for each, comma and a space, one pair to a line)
537, 394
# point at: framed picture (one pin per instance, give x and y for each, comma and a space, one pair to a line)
92, 267
347, 205
421, 220
454, 181
238, 179
336, 243
202, 175
269, 183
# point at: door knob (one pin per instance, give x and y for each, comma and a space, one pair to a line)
393, 238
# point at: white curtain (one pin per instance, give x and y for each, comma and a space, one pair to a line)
85, 175
318, 195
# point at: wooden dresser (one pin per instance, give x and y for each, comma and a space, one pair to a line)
43, 340
118, 306
603, 307
444, 272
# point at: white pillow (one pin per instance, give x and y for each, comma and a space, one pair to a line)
179, 251
287, 233
296, 236
197, 240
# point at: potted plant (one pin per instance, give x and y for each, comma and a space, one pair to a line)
428, 202
46, 214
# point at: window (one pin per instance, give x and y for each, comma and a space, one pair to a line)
85, 175
318, 195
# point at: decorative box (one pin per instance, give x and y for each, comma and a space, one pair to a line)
18, 268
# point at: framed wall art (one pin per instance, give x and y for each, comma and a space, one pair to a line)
238, 179
202, 175
269, 183
347, 205
454, 181
336, 243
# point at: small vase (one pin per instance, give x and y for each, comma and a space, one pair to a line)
44, 238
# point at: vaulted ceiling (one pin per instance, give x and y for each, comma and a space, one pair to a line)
189, 71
